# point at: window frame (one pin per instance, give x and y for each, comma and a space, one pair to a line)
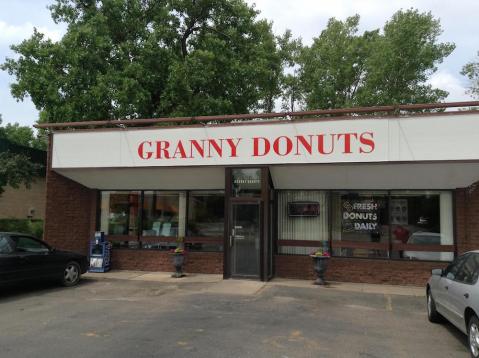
135, 242
121, 237
450, 248
15, 238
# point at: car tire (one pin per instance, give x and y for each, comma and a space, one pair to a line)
71, 274
432, 314
473, 336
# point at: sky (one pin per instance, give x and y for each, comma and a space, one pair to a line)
305, 18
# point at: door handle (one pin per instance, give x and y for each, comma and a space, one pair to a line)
466, 295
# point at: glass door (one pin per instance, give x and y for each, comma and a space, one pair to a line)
245, 239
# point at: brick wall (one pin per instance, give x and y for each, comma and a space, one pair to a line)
394, 272
71, 218
152, 260
70, 213
16, 203
467, 218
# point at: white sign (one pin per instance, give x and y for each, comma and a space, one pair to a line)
448, 137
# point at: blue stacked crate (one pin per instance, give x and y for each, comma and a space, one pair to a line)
100, 254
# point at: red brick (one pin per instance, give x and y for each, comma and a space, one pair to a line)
70, 213
467, 218
394, 272
153, 260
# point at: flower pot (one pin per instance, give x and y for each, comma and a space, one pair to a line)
320, 267
178, 262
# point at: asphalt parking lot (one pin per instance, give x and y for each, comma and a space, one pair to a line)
124, 318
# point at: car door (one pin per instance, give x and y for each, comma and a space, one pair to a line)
461, 289
33, 256
9, 262
442, 298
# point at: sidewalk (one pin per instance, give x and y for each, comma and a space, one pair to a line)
249, 287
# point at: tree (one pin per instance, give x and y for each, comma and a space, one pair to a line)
16, 168
471, 71
333, 69
22, 135
149, 58
291, 90
343, 68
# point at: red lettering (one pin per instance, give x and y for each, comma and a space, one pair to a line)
308, 146
266, 147
321, 144
162, 149
288, 142
216, 147
180, 150
233, 146
199, 149
367, 142
141, 150
347, 141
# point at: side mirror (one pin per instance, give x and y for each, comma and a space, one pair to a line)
437, 272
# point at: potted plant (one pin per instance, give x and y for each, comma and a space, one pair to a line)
178, 255
321, 260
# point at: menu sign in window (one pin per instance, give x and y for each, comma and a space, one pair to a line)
303, 208
246, 182
360, 215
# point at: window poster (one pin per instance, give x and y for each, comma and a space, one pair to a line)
360, 215
399, 212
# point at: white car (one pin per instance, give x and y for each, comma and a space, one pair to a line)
424, 238
453, 294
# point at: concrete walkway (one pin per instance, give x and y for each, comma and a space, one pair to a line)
250, 287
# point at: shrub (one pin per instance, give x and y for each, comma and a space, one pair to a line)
31, 227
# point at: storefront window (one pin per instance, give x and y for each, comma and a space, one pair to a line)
164, 214
302, 215
421, 222
163, 224
360, 225
206, 213
206, 219
119, 212
246, 182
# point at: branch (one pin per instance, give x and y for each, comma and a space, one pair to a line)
189, 30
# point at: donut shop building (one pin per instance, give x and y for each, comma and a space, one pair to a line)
390, 192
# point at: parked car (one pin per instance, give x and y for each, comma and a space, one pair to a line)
423, 238
23, 257
453, 294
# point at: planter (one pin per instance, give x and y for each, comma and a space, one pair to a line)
178, 263
320, 267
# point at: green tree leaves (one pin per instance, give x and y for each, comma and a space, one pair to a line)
344, 69
22, 135
17, 168
149, 58
157, 58
471, 71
